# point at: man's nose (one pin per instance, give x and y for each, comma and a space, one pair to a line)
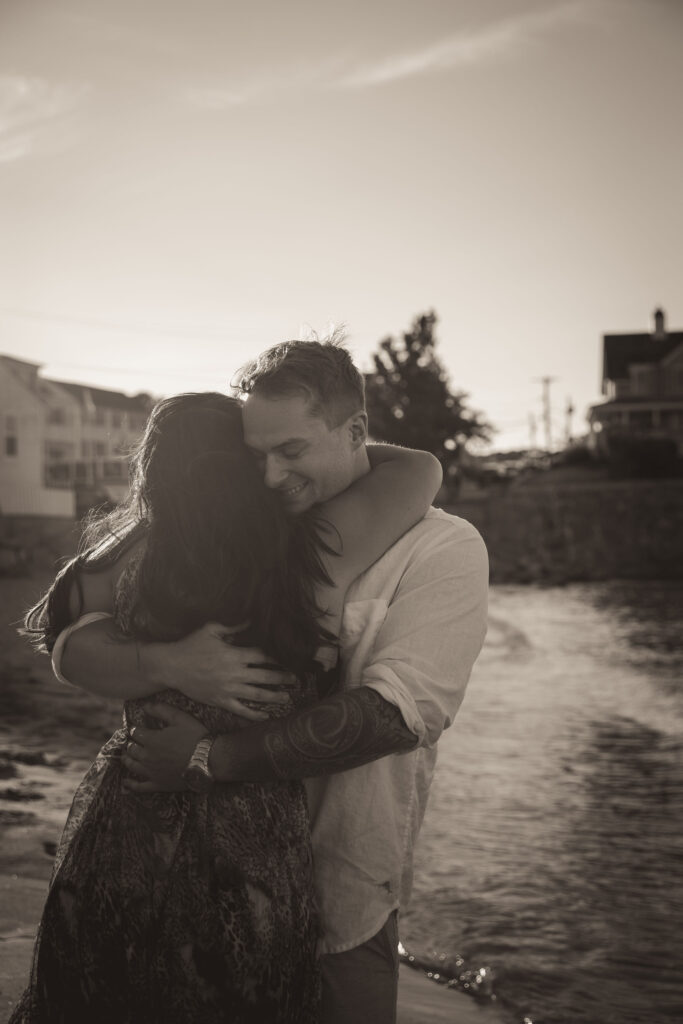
275, 473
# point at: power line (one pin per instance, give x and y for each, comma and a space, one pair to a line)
135, 370
107, 325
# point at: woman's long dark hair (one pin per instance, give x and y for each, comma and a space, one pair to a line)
217, 544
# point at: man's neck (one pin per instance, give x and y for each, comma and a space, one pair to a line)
361, 464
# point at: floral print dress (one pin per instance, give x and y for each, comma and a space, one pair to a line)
178, 907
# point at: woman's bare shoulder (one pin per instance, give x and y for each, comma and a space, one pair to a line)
99, 582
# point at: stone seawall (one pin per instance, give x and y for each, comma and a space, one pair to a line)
30, 543
545, 532
535, 532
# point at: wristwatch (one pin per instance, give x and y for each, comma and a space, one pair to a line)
198, 775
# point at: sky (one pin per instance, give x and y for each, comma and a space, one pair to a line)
185, 184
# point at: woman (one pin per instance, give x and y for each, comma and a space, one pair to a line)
186, 907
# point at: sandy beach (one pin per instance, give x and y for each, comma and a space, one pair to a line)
49, 733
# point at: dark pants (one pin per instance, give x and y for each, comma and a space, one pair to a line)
361, 985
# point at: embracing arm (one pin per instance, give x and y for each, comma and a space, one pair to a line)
378, 508
341, 732
98, 658
334, 735
95, 655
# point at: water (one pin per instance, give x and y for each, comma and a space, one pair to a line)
552, 849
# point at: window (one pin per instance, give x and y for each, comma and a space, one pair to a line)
11, 439
117, 471
92, 417
85, 449
116, 420
56, 452
642, 380
58, 474
100, 448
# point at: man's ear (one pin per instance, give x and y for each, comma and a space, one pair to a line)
358, 429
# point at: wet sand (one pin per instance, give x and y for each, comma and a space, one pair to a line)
49, 734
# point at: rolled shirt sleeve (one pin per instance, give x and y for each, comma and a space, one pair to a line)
433, 631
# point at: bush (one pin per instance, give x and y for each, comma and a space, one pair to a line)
645, 457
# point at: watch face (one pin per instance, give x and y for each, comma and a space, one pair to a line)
198, 780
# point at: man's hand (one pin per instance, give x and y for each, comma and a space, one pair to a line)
208, 668
158, 757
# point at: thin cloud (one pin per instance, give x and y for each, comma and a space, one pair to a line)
33, 114
466, 47
219, 96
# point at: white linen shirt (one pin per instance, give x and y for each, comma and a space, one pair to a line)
412, 628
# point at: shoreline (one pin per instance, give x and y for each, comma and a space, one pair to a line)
420, 1001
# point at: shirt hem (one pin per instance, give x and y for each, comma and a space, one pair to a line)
324, 949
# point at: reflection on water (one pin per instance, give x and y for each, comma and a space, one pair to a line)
553, 844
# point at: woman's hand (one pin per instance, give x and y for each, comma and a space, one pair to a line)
208, 668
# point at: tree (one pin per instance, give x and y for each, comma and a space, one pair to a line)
410, 402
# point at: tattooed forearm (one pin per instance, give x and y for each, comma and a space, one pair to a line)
342, 732
336, 734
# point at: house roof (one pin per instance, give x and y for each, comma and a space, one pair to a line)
620, 350
20, 362
103, 399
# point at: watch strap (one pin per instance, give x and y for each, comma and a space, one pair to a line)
200, 756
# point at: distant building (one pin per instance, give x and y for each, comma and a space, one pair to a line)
642, 377
63, 446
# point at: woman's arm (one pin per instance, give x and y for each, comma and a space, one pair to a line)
378, 508
204, 665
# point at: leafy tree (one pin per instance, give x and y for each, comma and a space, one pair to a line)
410, 402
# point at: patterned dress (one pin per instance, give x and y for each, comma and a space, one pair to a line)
178, 907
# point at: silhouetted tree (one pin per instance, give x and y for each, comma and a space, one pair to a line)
410, 401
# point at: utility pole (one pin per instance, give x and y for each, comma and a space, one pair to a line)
547, 419
568, 412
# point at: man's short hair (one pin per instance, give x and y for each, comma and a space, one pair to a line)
322, 371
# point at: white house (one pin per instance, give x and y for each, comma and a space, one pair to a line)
65, 446
23, 490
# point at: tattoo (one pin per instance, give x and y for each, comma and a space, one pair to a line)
341, 732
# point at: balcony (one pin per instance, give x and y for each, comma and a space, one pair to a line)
70, 474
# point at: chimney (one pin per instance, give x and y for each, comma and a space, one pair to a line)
660, 325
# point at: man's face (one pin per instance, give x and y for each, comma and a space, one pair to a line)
302, 458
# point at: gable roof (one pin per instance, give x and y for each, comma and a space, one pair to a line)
103, 399
620, 350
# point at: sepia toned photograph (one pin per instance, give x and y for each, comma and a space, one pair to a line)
341, 512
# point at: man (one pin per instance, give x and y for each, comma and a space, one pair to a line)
413, 626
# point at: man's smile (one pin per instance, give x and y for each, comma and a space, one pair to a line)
291, 492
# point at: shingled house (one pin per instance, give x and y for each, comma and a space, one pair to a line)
642, 379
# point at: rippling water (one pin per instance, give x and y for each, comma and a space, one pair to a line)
553, 844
